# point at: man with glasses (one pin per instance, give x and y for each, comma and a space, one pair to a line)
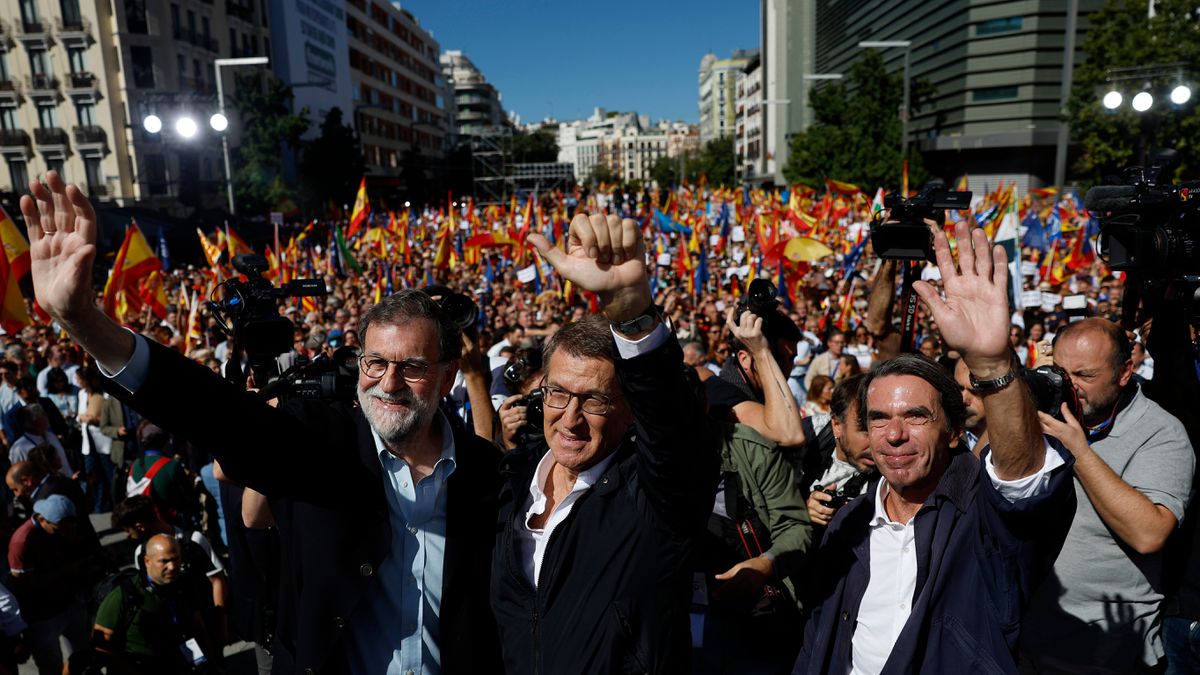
590, 572
386, 515
932, 568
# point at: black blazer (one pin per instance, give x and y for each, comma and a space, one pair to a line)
317, 463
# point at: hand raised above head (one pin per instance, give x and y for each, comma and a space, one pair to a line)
974, 316
61, 224
606, 255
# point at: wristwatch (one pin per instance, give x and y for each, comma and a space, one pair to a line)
989, 386
640, 323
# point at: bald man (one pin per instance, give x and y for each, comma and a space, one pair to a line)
149, 623
1099, 611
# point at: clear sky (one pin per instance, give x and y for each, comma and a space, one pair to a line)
562, 58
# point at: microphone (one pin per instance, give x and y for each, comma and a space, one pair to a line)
1109, 197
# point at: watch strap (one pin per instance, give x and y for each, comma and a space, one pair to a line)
988, 386
639, 323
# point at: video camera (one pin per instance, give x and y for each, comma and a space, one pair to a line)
1151, 224
325, 378
462, 310
248, 312
910, 237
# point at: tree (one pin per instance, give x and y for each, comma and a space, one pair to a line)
714, 162
1121, 37
538, 146
267, 125
331, 165
856, 133
665, 171
602, 174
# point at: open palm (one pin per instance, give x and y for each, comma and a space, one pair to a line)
61, 224
973, 317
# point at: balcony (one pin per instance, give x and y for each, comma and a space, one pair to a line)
41, 87
14, 138
81, 84
10, 93
193, 38
74, 32
50, 138
32, 34
91, 140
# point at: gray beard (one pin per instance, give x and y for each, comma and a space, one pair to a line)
395, 428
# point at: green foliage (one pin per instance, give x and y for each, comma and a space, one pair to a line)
714, 163
665, 171
1120, 36
538, 146
602, 174
855, 136
331, 165
267, 125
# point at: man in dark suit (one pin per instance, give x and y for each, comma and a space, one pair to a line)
386, 515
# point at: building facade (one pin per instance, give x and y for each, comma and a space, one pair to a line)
478, 108
788, 34
397, 90
718, 93
627, 144
996, 68
78, 77
748, 122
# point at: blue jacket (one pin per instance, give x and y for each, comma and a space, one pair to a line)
979, 557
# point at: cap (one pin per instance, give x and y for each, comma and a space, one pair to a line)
54, 508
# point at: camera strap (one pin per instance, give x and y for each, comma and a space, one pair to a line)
909, 304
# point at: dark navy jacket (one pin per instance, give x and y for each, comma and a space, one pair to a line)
979, 557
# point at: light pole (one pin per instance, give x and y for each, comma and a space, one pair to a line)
906, 45
220, 63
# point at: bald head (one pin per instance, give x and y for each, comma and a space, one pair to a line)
23, 478
1096, 332
162, 558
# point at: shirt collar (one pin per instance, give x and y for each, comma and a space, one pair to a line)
448, 452
586, 478
954, 486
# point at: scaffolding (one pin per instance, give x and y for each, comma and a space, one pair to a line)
541, 177
491, 164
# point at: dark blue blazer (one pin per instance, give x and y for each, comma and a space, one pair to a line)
979, 557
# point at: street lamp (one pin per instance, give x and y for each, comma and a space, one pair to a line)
1142, 101
218, 122
906, 45
1113, 99
1181, 94
220, 63
152, 124
186, 127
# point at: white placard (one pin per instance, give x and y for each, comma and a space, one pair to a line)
714, 239
276, 217
1028, 268
1051, 299
663, 259
738, 233
527, 274
1031, 298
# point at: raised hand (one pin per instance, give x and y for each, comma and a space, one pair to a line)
974, 316
62, 247
747, 329
605, 255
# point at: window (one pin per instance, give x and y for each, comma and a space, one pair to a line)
86, 113
70, 13
8, 119
29, 13
135, 16
181, 67
994, 94
77, 59
206, 29
37, 61
1010, 24
176, 24
233, 50
47, 117
55, 164
19, 175
191, 17
156, 175
91, 170
142, 59
3, 67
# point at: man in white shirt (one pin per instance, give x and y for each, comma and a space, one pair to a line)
932, 568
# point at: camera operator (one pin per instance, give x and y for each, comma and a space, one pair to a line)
521, 414
838, 466
1133, 476
752, 388
975, 426
386, 516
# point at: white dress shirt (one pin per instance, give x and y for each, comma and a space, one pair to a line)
887, 601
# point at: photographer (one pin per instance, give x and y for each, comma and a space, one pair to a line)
386, 516
752, 388
521, 413
838, 466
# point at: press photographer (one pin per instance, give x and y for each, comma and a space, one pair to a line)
522, 414
752, 387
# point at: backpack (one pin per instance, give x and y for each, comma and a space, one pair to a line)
131, 600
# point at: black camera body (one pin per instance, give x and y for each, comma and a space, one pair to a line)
1051, 387
837, 497
528, 363
322, 378
249, 310
462, 310
760, 300
1151, 225
909, 237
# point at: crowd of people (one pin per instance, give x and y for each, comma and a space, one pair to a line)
606, 432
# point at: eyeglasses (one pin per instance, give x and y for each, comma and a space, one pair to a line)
592, 404
376, 367
912, 418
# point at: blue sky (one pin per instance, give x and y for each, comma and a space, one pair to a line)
562, 58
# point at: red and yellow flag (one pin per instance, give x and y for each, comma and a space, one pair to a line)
135, 279
13, 265
362, 207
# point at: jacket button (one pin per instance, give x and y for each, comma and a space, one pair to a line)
366, 570
339, 622
845, 616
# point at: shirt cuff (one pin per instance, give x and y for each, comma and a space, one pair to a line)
628, 349
1031, 485
133, 374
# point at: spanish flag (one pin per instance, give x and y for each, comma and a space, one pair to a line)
13, 265
362, 207
212, 252
135, 279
